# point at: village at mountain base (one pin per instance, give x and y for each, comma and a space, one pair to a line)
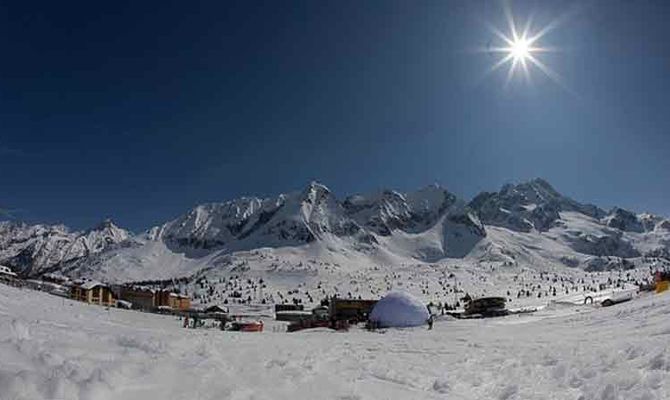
395, 309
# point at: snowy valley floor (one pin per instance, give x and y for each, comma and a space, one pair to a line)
53, 348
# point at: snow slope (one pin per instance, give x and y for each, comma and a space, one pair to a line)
55, 348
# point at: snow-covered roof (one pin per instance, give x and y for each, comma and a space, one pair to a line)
140, 288
91, 284
216, 308
6, 270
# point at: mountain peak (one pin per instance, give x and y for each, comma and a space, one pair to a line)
533, 204
107, 223
542, 183
315, 188
108, 231
318, 185
534, 190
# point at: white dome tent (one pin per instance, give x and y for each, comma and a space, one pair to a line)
399, 310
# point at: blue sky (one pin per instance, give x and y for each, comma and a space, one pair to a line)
140, 110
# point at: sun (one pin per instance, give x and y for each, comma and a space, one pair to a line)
520, 49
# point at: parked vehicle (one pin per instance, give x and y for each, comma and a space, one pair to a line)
247, 326
617, 298
487, 307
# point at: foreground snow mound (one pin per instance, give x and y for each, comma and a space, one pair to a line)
399, 310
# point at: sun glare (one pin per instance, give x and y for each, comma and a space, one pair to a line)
520, 48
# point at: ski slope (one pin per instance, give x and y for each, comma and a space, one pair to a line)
54, 348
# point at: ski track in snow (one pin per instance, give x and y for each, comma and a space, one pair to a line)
54, 348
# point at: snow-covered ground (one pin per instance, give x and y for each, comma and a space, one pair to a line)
54, 348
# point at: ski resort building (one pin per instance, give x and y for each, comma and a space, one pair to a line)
178, 301
151, 299
139, 297
662, 279
94, 293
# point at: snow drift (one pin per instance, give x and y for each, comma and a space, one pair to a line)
399, 310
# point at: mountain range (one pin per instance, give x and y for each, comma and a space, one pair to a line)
529, 223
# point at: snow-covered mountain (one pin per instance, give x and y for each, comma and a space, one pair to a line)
289, 220
311, 215
34, 249
533, 205
388, 210
529, 223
